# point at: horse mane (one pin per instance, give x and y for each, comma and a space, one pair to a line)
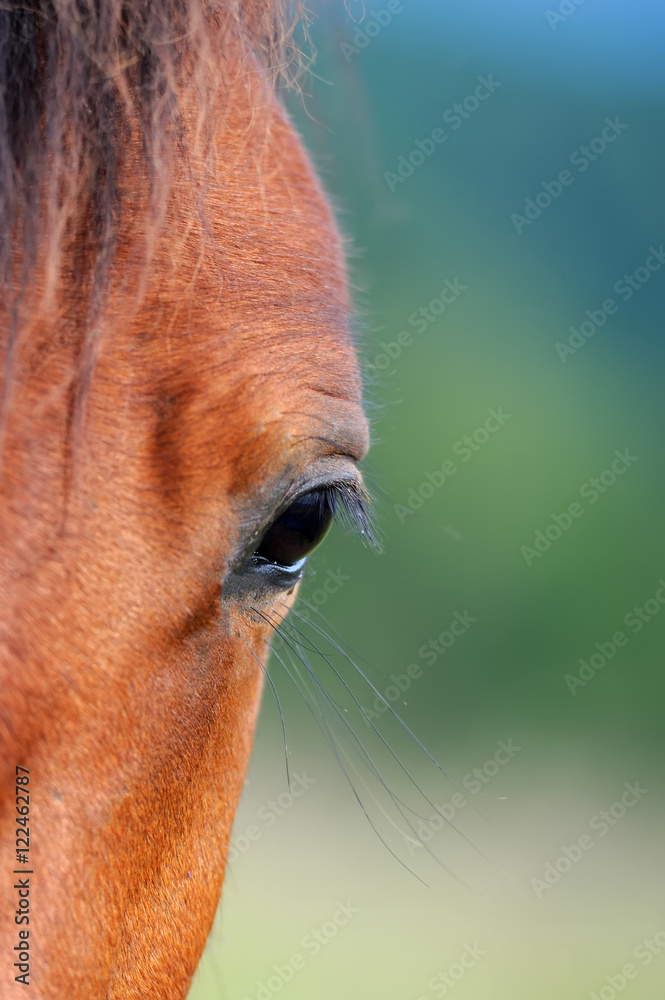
82, 79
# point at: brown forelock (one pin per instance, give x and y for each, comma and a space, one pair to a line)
223, 371
77, 79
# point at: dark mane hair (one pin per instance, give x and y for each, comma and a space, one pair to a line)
97, 100
79, 81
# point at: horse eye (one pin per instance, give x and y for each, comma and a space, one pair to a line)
297, 531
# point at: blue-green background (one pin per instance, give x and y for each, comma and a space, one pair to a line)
504, 679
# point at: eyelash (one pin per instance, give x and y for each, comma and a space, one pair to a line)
350, 506
298, 530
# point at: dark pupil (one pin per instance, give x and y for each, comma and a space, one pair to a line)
298, 530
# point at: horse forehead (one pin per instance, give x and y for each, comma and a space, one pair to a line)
260, 426
265, 209
267, 312
312, 424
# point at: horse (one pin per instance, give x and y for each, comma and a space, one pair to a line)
181, 418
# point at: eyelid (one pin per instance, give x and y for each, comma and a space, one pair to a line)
348, 499
351, 503
331, 500
323, 474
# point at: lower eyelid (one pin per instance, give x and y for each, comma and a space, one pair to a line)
279, 577
296, 566
265, 564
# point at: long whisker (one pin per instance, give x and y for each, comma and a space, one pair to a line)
292, 646
393, 754
339, 712
283, 625
266, 674
322, 723
412, 735
397, 802
359, 658
376, 691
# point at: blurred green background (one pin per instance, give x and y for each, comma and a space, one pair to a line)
540, 892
